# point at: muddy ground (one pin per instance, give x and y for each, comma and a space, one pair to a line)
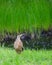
34, 40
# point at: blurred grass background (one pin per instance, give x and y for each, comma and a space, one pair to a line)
19, 15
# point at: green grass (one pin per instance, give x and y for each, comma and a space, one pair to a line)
27, 57
22, 15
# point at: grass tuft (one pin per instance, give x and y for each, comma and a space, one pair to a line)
8, 56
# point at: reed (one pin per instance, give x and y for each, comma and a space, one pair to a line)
20, 15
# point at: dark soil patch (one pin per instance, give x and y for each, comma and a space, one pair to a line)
35, 40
